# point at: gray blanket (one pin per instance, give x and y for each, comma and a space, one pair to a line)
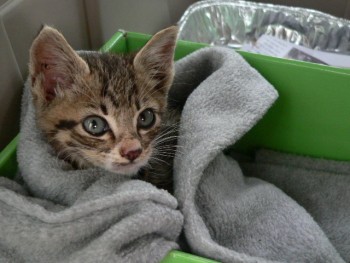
63, 215
282, 212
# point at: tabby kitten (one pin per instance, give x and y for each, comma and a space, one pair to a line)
106, 110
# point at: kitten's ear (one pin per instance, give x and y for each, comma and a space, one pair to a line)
53, 64
155, 59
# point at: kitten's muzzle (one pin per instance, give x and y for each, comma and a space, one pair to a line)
131, 155
130, 149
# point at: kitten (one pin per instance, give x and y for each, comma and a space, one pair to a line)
107, 110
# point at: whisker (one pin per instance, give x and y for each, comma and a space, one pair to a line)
158, 160
166, 155
182, 83
168, 151
186, 71
165, 139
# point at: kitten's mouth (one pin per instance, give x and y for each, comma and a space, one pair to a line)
124, 164
131, 168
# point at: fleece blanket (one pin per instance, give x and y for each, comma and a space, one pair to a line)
58, 214
281, 212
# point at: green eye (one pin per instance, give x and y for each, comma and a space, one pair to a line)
146, 119
95, 125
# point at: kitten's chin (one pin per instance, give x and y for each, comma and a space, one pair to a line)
125, 169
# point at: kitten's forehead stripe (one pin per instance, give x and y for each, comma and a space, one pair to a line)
104, 109
104, 91
137, 103
129, 99
116, 76
113, 99
66, 124
133, 94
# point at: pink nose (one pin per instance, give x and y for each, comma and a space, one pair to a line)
131, 154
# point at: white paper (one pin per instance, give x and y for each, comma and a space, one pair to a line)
273, 46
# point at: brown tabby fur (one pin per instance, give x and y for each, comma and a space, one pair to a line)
68, 86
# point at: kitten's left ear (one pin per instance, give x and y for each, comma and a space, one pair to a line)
155, 59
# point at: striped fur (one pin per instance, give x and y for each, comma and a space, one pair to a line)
68, 86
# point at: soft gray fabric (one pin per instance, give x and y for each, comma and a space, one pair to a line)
95, 216
230, 217
322, 187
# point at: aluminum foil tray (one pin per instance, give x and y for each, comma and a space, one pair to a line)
233, 23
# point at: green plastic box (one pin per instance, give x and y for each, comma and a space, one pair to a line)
311, 116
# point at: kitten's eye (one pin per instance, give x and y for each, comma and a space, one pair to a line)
95, 125
146, 119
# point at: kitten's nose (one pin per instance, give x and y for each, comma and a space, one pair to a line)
130, 154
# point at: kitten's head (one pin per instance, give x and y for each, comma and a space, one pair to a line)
101, 109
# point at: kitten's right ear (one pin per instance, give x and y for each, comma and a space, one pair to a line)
53, 64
